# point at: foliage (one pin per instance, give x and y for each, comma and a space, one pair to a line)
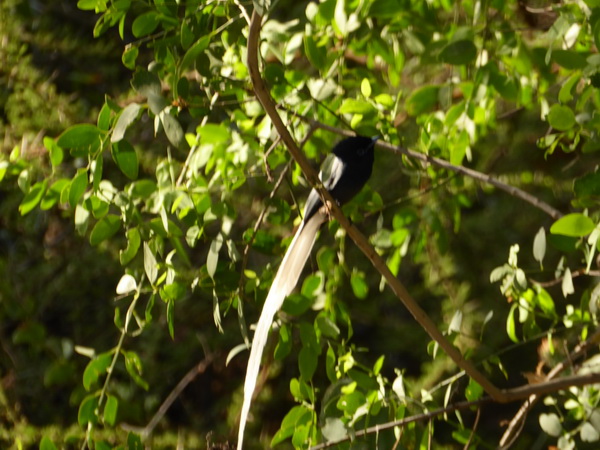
167, 186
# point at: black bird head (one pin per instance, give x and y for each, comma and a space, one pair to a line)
350, 170
356, 148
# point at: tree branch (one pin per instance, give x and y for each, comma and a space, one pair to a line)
263, 96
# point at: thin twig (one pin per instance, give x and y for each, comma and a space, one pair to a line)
176, 392
244, 12
466, 447
574, 274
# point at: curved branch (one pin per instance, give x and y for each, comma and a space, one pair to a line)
263, 96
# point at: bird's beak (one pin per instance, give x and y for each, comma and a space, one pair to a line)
374, 140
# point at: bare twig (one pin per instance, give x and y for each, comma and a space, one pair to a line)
466, 447
574, 274
187, 379
243, 10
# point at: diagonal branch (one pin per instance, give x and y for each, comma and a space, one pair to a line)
359, 239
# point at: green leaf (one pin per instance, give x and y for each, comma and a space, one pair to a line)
298, 414
567, 283
126, 118
129, 56
340, 19
78, 187
551, 425
95, 368
212, 133
126, 158
53, 194
133, 245
308, 337
569, 59
105, 228
511, 327
134, 442
459, 53
261, 6
422, 100
78, 136
193, 52
284, 344
92, 5
587, 185
561, 117
47, 444
213, 255
33, 197
110, 410
88, 411
353, 106
539, 245
172, 128
317, 55
312, 285
474, 391
334, 429
574, 225
365, 87
104, 116
588, 433
296, 304
359, 285
145, 24
56, 153
565, 96
133, 364
170, 318
545, 301
327, 326
147, 84
150, 264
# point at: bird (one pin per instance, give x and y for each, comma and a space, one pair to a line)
344, 174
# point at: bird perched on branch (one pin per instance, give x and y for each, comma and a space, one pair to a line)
347, 172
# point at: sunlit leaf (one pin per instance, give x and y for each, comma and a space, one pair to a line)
82, 135
126, 118
550, 423
561, 117
574, 225
105, 228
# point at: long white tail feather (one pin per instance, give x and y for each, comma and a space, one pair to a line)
284, 282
